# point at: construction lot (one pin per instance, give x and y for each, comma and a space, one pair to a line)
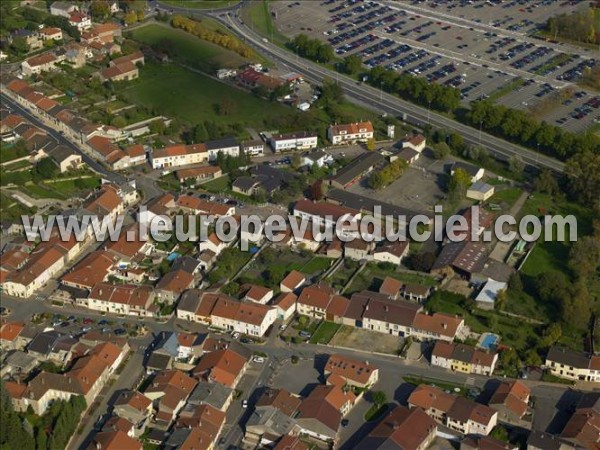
360, 339
484, 51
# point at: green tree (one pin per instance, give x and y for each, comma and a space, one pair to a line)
459, 182
19, 45
584, 257
440, 150
99, 10
46, 169
352, 64
131, 18
546, 183
500, 433
551, 334
516, 165
583, 174
379, 398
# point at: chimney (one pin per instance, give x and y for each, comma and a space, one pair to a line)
444, 326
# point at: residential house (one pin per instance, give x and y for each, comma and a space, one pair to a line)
353, 372
38, 64
300, 140
572, 365
257, 294
254, 147
216, 395
198, 174
329, 215
90, 271
169, 391
350, 133
9, 336
225, 367
80, 21
401, 429
320, 413
170, 287
416, 142
391, 287
292, 281
583, 428
178, 155
226, 146
392, 252
114, 440
134, 407
248, 318
65, 158
128, 299
474, 173
285, 304
457, 413
416, 292
318, 157
359, 249
511, 400
463, 358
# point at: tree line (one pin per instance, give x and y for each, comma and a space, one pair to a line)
312, 49
386, 176
415, 89
216, 37
580, 26
521, 128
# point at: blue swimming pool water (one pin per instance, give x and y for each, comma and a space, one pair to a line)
489, 341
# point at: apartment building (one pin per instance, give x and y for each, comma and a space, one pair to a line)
300, 140
573, 365
178, 155
350, 133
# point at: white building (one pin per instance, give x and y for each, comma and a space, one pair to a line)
225, 146
178, 155
350, 133
301, 140
416, 142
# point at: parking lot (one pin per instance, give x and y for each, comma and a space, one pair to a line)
481, 48
419, 188
77, 326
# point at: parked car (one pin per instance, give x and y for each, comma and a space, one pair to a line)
120, 331
258, 359
244, 403
88, 321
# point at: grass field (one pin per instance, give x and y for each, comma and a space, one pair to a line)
506, 197
317, 264
193, 97
259, 16
324, 333
187, 49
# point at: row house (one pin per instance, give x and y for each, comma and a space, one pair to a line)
198, 174
511, 400
120, 299
463, 358
457, 413
226, 146
350, 133
572, 365
86, 377
319, 301
300, 140
328, 215
178, 155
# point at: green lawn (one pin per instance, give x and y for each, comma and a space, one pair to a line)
372, 276
506, 197
188, 49
317, 264
217, 185
324, 333
69, 188
192, 97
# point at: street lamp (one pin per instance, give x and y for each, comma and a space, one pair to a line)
381, 92
480, 124
429, 113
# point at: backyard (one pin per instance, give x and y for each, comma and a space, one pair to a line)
373, 274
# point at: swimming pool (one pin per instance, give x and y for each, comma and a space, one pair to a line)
489, 341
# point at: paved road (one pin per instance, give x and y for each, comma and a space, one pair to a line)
62, 139
130, 374
386, 103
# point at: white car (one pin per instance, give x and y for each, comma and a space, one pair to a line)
258, 359
244, 403
236, 335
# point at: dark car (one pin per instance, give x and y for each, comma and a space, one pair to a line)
120, 331
345, 423
103, 322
